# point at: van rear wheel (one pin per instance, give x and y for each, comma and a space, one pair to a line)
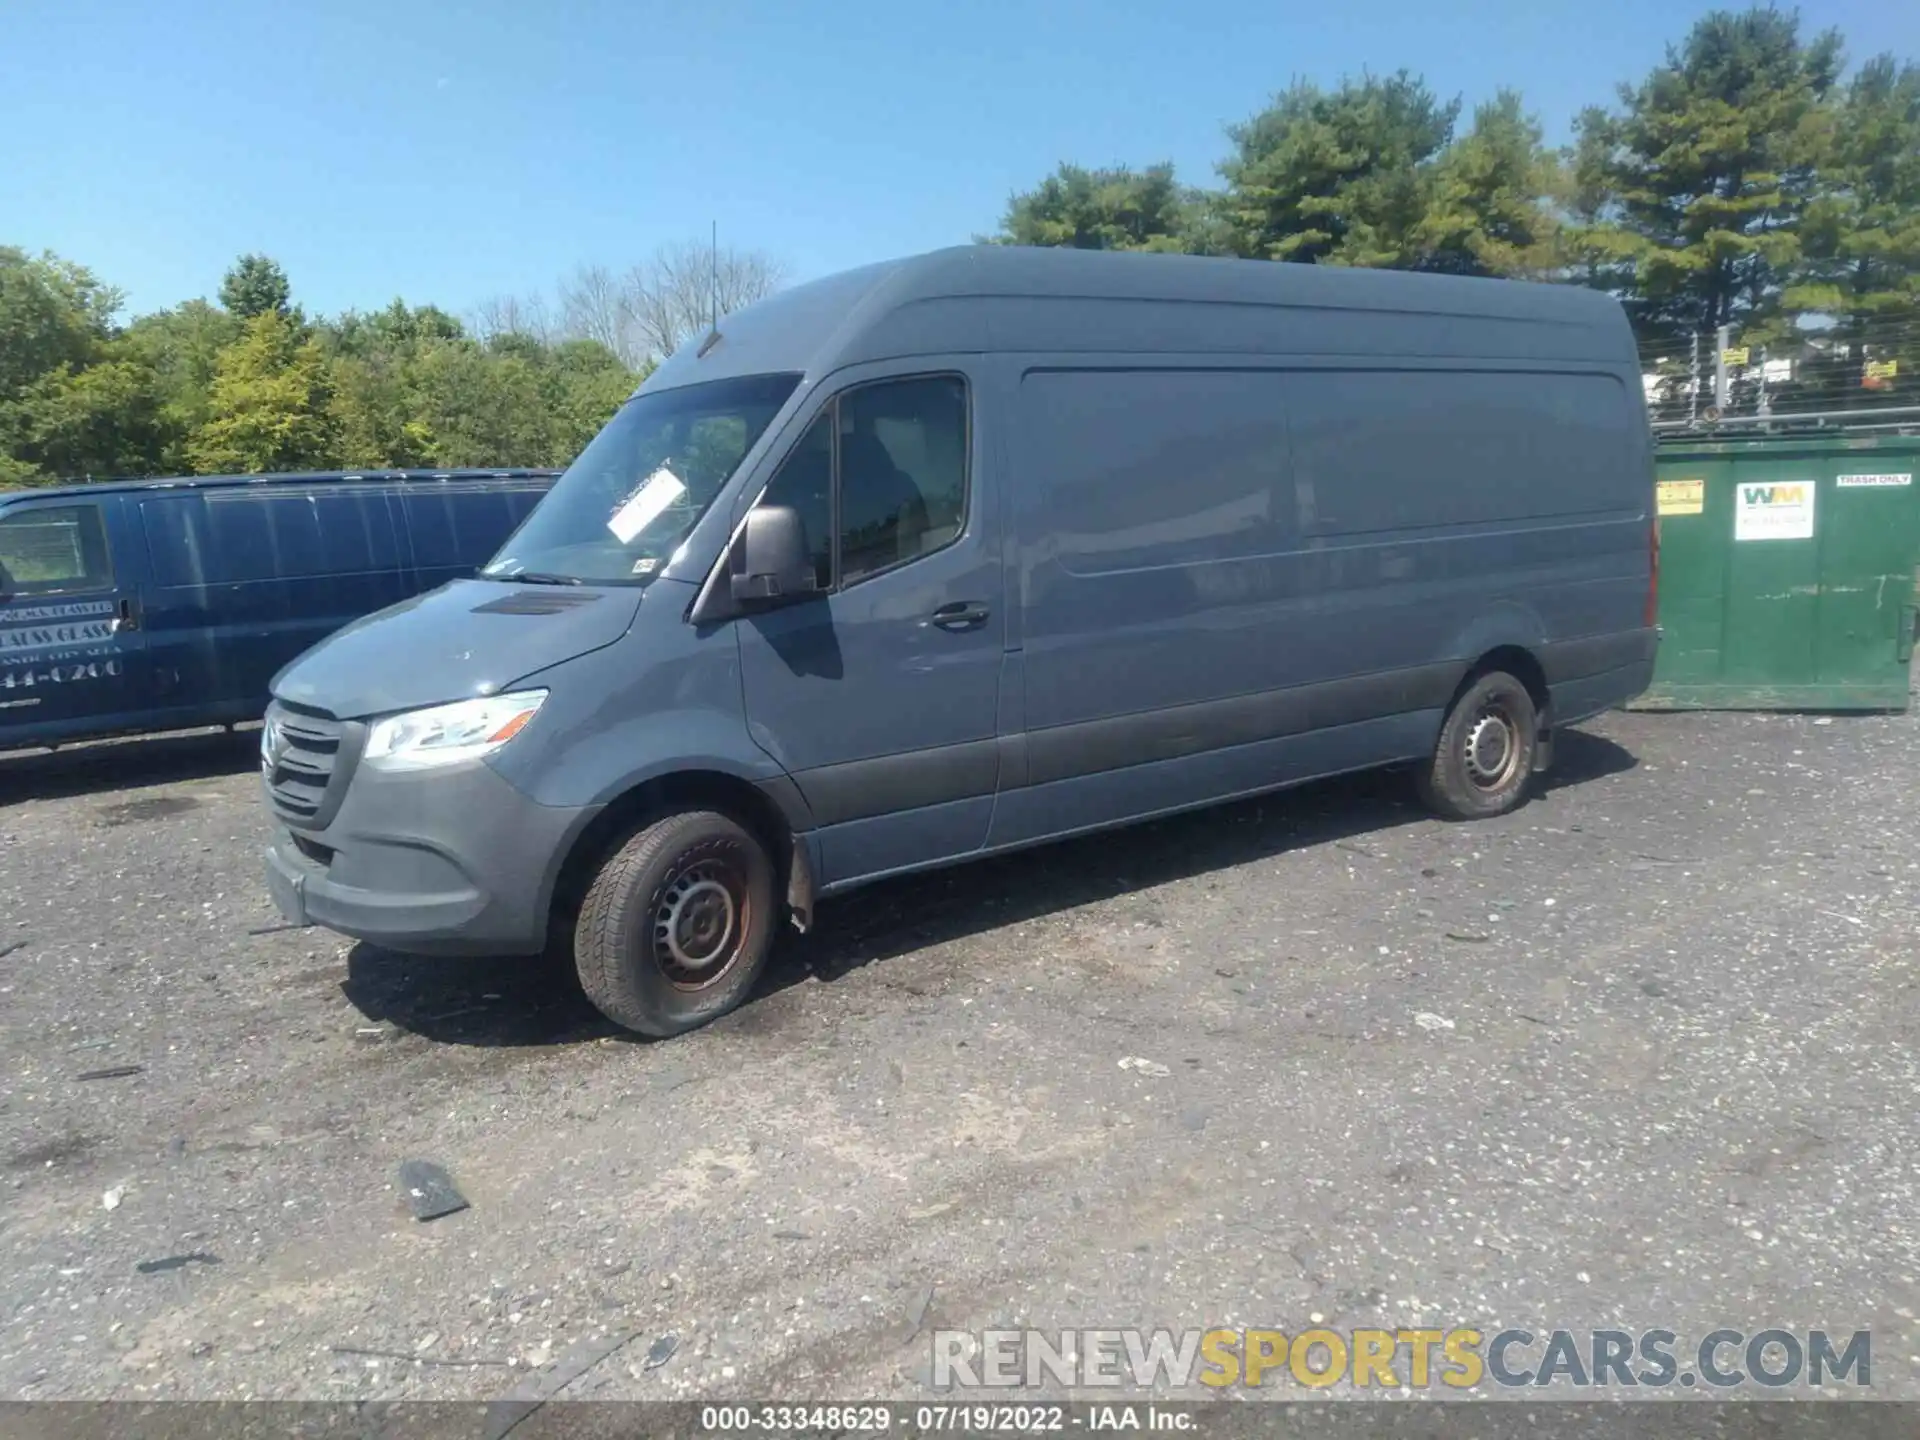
676, 927
1484, 757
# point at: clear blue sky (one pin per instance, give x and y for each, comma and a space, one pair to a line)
448, 152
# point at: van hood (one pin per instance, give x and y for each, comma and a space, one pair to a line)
468, 638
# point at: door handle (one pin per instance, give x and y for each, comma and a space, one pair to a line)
961, 615
125, 620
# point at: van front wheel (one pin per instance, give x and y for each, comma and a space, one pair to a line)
676, 927
1484, 757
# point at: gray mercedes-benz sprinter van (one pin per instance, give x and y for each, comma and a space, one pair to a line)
967, 552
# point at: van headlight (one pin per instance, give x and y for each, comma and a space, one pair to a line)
446, 734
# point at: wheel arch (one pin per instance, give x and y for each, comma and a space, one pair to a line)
733, 795
1518, 661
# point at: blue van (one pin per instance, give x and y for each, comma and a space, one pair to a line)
972, 551
162, 604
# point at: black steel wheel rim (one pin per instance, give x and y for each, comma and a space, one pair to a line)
1492, 746
701, 918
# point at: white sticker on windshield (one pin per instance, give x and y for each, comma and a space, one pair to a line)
663, 487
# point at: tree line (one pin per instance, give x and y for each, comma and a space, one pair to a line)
1750, 180
250, 383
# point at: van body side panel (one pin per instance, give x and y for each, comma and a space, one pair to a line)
452, 527
1445, 513
1155, 539
1164, 583
1117, 797
1218, 553
242, 582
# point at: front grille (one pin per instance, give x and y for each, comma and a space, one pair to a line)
304, 757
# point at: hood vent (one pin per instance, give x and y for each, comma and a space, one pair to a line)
535, 602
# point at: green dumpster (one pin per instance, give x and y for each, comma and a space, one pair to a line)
1787, 573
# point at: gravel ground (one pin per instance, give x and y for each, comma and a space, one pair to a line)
1639, 1055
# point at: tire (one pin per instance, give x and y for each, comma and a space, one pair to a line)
676, 927
1484, 757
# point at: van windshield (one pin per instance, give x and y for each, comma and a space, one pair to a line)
622, 508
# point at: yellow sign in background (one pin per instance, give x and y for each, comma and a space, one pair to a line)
1682, 497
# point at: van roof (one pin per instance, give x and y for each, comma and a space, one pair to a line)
287, 477
971, 298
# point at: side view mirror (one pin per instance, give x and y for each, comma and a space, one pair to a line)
772, 561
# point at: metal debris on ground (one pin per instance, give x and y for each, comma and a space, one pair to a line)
112, 1072
176, 1262
1427, 1020
416, 1359
1151, 1068
534, 1391
661, 1351
429, 1190
917, 1311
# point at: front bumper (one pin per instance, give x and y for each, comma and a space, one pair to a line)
452, 861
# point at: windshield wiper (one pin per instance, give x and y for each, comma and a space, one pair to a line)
535, 577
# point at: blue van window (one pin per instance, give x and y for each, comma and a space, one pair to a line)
228, 539
55, 549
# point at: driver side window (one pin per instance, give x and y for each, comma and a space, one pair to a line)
880, 477
804, 483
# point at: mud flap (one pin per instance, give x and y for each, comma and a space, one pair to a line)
800, 886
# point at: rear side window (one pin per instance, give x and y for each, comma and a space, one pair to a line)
56, 550
219, 539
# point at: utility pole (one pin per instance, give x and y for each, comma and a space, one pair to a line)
1693, 382
1721, 382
